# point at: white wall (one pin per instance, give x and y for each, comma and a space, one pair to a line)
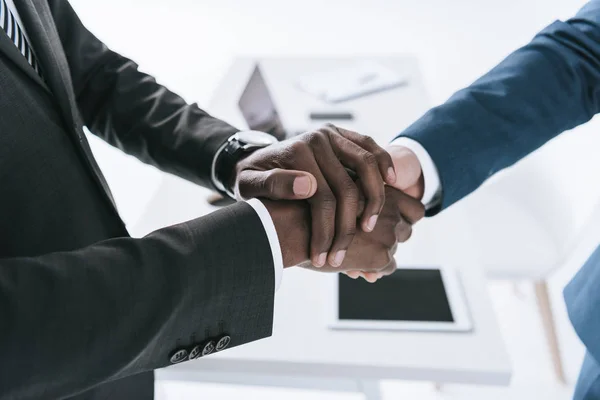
187, 45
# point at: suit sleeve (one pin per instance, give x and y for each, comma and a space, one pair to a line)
123, 306
131, 111
547, 87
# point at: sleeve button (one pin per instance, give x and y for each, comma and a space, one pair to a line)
223, 342
179, 356
209, 347
195, 352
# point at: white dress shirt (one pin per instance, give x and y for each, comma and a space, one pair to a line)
269, 226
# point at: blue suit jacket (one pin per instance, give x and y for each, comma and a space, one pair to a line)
541, 90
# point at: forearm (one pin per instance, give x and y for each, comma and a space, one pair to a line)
124, 305
536, 93
130, 110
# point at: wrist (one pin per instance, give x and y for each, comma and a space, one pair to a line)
291, 220
237, 169
237, 147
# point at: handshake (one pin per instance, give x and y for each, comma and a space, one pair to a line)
328, 218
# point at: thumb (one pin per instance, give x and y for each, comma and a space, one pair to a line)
409, 176
276, 184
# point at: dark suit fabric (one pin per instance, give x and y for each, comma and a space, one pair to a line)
85, 310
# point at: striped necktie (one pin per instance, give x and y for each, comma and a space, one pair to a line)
10, 25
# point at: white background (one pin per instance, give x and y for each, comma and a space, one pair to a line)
188, 44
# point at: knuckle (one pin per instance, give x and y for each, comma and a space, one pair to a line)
350, 231
369, 141
298, 147
327, 200
325, 195
350, 191
369, 159
270, 182
382, 155
314, 138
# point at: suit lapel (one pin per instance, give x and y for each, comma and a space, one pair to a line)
39, 23
8, 48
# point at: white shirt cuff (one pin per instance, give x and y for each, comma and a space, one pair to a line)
432, 193
267, 222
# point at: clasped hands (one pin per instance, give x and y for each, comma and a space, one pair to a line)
330, 221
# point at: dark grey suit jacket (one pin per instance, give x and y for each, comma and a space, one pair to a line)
85, 310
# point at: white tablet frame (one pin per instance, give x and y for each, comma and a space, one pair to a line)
456, 299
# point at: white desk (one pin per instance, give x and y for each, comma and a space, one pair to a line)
380, 115
302, 352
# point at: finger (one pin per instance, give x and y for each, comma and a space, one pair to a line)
410, 208
384, 160
365, 165
323, 215
361, 204
347, 196
276, 184
394, 249
415, 191
408, 166
353, 274
390, 269
371, 277
403, 231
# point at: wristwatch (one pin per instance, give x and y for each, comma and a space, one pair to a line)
232, 151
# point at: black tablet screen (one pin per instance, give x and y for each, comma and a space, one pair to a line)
406, 295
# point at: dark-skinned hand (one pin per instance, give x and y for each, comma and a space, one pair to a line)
369, 252
313, 166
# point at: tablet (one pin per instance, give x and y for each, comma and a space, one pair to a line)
412, 298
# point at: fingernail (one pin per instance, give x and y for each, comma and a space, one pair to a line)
371, 222
339, 257
391, 176
302, 186
321, 260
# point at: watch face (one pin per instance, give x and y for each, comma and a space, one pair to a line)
256, 138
